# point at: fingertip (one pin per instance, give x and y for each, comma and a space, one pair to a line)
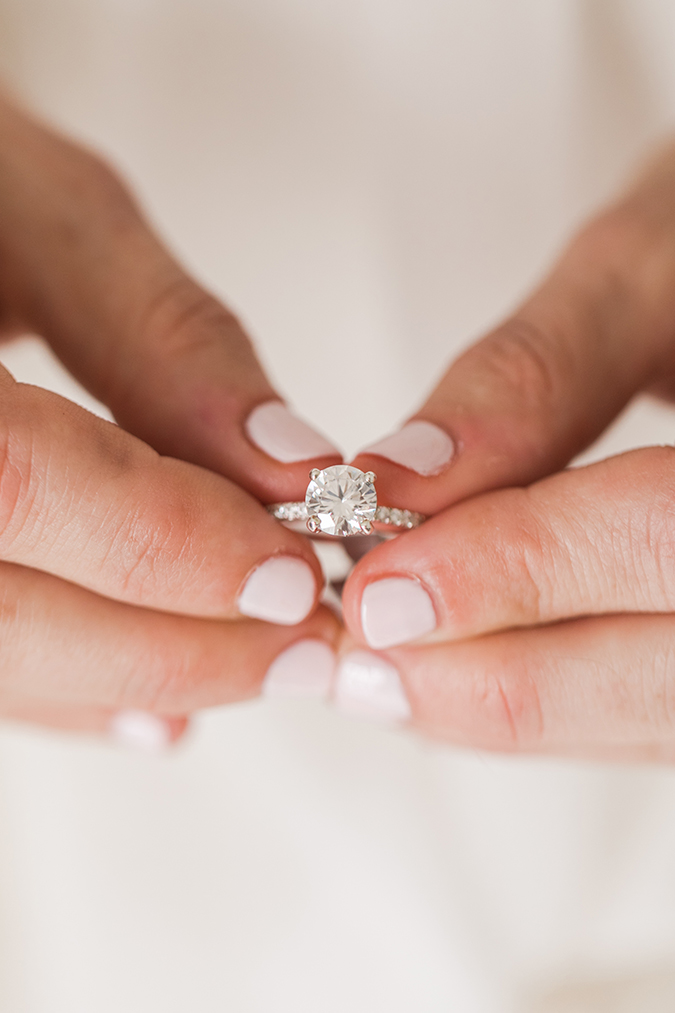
283, 436
394, 596
414, 466
396, 610
263, 447
281, 590
370, 686
420, 446
303, 670
143, 732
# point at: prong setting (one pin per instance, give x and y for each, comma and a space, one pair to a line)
340, 499
314, 525
371, 476
366, 527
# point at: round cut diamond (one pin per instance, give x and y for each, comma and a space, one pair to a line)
342, 501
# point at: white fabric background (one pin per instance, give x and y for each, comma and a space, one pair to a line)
370, 183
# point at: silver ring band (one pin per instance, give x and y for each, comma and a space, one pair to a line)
391, 516
342, 501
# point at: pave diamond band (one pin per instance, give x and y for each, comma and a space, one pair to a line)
342, 501
391, 516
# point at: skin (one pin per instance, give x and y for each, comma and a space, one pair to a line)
555, 600
554, 591
122, 556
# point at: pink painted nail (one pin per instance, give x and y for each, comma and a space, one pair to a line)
394, 611
304, 669
281, 590
421, 446
368, 686
146, 733
285, 437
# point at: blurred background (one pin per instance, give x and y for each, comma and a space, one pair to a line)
370, 183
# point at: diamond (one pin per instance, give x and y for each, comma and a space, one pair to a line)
341, 501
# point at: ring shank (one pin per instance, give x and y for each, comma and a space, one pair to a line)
388, 517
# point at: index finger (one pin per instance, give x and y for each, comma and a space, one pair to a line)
82, 267
84, 500
523, 401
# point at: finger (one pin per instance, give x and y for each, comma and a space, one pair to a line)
522, 402
63, 646
136, 730
585, 542
602, 686
82, 499
82, 267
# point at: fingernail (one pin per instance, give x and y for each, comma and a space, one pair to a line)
141, 731
285, 437
419, 445
394, 611
368, 686
281, 590
303, 670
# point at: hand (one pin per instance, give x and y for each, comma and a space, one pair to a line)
101, 538
539, 618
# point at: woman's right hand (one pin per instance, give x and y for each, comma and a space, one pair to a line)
132, 580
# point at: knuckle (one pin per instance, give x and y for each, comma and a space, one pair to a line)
151, 547
20, 510
656, 701
615, 233
165, 684
180, 317
649, 531
97, 185
528, 365
511, 711
648, 553
534, 578
525, 552
13, 601
633, 243
92, 191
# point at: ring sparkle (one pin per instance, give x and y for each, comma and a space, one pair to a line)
342, 501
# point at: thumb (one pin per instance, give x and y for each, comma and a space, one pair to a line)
523, 401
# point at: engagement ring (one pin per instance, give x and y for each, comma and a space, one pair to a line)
342, 501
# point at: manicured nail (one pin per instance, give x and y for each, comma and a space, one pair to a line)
141, 731
304, 669
394, 611
420, 446
285, 437
368, 686
281, 590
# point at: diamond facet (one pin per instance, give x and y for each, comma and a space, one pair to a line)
342, 499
